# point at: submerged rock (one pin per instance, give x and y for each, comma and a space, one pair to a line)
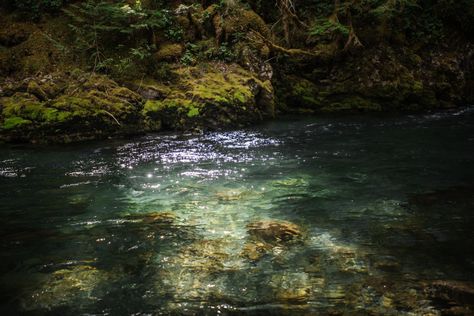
291, 287
254, 251
154, 218
236, 194
275, 231
66, 286
454, 293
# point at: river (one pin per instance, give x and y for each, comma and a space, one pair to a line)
367, 213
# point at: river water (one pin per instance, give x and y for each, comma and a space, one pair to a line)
375, 209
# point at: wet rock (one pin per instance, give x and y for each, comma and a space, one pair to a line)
291, 287
66, 286
291, 182
345, 257
234, 194
254, 251
275, 232
207, 256
456, 292
198, 271
154, 218
387, 264
348, 260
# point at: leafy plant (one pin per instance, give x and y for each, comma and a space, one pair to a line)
326, 26
190, 55
224, 53
101, 27
33, 9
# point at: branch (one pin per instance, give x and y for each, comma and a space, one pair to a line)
288, 51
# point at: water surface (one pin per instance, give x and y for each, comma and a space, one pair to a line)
160, 224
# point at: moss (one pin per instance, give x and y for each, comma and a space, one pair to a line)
98, 82
238, 95
169, 52
211, 94
153, 106
15, 122
193, 112
35, 89
240, 21
215, 87
301, 92
352, 103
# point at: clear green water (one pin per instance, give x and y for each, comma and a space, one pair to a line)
385, 205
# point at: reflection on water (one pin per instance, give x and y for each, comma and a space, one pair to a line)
303, 216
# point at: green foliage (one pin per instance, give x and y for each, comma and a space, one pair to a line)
101, 27
223, 53
130, 64
14, 122
190, 55
162, 71
193, 111
391, 8
33, 9
426, 28
326, 26
423, 21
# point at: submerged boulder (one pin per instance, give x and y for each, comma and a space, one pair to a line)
254, 251
275, 232
66, 286
154, 218
291, 287
458, 293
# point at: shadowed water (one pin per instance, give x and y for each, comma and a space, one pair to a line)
377, 210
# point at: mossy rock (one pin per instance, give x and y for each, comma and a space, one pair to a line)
379, 79
169, 52
276, 232
238, 21
212, 96
77, 108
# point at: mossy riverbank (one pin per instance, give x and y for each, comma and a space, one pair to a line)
208, 66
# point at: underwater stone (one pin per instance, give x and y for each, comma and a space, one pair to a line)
275, 231
462, 293
254, 251
65, 286
154, 217
291, 287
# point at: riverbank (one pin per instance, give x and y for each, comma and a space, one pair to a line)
222, 66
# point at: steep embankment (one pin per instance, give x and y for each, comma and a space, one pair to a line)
140, 68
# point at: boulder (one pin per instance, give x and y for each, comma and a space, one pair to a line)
275, 232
